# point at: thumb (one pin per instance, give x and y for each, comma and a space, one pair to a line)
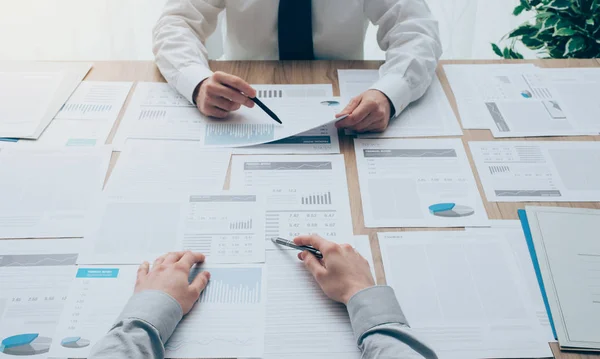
143, 270
313, 265
200, 282
351, 106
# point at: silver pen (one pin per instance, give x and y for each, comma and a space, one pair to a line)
288, 243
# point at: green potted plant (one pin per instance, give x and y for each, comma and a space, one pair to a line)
560, 29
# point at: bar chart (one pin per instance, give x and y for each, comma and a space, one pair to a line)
245, 224
317, 198
232, 285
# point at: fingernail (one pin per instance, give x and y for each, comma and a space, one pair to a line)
302, 255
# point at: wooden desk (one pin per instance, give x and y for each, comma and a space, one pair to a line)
325, 72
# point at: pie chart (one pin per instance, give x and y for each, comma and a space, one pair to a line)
74, 342
25, 344
450, 210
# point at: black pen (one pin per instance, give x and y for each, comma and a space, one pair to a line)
265, 108
287, 243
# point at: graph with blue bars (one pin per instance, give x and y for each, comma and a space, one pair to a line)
231, 285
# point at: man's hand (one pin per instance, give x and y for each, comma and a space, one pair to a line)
170, 273
222, 93
368, 112
341, 273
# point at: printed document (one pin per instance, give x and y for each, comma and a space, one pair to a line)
157, 112
227, 321
464, 295
417, 183
329, 331
304, 194
158, 167
512, 233
539, 171
511, 101
49, 83
35, 277
568, 253
227, 227
431, 115
47, 191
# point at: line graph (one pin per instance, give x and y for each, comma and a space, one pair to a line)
287, 166
37, 260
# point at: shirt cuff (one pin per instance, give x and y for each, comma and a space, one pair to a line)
397, 89
372, 307
189, 78
155, 307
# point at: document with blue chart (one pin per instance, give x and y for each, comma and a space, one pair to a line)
156, 111
304, 193
227, 227
539, 171
417, 183
35, 276
227, 321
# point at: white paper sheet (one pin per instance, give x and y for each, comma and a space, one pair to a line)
568, 252
221, 324
578, 90
95, 100
151, 167
46, 191
304, 194
431, 115
512, 233
35, 276
511, 101
463, 295
417, 183
147, 117
315, 318
49, 84
540, 171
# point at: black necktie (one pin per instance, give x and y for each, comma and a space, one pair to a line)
295, 30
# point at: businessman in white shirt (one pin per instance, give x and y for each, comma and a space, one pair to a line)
299, 30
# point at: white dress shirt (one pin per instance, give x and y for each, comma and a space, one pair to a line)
408, 33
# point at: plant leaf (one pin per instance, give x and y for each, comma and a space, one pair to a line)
497, 50
523, 30
532, 43
559, 4
565, 31
574, 45
518, 10
590, 22
550, 21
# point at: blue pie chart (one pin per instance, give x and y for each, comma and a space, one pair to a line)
74, 342
25, 344
450, 210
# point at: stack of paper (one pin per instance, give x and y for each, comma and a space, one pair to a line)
31, 94
513, 101
45, 192
539, 171
431, 115
157, 112
464, 294
566, 252
417, 183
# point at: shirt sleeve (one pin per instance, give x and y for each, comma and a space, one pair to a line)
380, 327
409, 35
178, 42
141, 330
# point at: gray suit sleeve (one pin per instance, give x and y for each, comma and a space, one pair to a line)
380, 327
142, 329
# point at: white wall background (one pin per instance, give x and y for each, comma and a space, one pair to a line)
121, 29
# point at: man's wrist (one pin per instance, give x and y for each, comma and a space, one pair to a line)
197, 92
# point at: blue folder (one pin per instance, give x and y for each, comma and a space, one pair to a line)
536, 265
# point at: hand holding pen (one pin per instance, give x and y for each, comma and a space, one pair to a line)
222, 93
341, 272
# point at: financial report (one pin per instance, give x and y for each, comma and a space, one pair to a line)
417, 183
540, 171
34, 276
304, 194
151, 167
46, 191
227, 321
463, 294
431, 115
50, 83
